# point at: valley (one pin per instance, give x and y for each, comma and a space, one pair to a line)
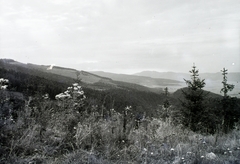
101, 117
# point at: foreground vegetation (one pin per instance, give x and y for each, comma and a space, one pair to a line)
63, 135
67, 131
73, 128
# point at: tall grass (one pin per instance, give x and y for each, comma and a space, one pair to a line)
47, 131
63, 135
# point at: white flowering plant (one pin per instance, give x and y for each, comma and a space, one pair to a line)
3, 83
74, 94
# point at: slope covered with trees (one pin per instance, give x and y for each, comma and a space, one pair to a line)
97, 123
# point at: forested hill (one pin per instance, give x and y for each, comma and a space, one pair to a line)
105, 92
118, 95
67, 75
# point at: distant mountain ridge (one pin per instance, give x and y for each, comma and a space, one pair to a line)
58, 73
213, 80
86, 77
30, 79
141, 80
148, 81
232, 76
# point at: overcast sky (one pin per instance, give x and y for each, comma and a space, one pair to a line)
123, 36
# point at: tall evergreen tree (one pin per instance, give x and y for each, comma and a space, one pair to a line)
165, 113
228, 104
166, 103
226, 87
193, 106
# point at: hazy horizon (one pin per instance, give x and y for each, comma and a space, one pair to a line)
121, 72
122, 36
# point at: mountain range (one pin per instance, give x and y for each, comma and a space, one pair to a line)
68, 75
149, 81
213, 80
111, 90
232, 76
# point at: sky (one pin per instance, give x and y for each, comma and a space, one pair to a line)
123, 36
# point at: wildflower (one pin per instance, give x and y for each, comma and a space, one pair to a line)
3, 83
73, 92
172, 149
151, 153
4, 87
2, 80
230, 152
66, 92
80, 92
144, 149
75, 88
225, 153
202, 156
75, 84
204, 142
46, 96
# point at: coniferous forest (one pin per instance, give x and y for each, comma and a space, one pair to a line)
64, 120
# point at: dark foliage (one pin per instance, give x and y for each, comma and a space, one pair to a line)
31, 85
193, 108
229, 113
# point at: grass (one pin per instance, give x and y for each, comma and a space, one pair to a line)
56, 133
97, 140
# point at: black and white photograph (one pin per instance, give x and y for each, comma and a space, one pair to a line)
119, 82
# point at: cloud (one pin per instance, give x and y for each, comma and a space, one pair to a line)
137, 34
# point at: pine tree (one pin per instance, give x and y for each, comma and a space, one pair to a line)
228, 104
193, 106
165, 113
226, 87
166, 103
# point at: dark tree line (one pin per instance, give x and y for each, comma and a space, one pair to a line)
199, 115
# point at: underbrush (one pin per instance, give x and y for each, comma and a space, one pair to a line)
57, 134
68, 131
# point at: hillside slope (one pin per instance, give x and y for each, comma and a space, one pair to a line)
67, 75
30, 81
141, 80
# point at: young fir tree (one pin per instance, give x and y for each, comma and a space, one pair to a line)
166, 103
226, 87
228, 103
165, 113
193, 106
